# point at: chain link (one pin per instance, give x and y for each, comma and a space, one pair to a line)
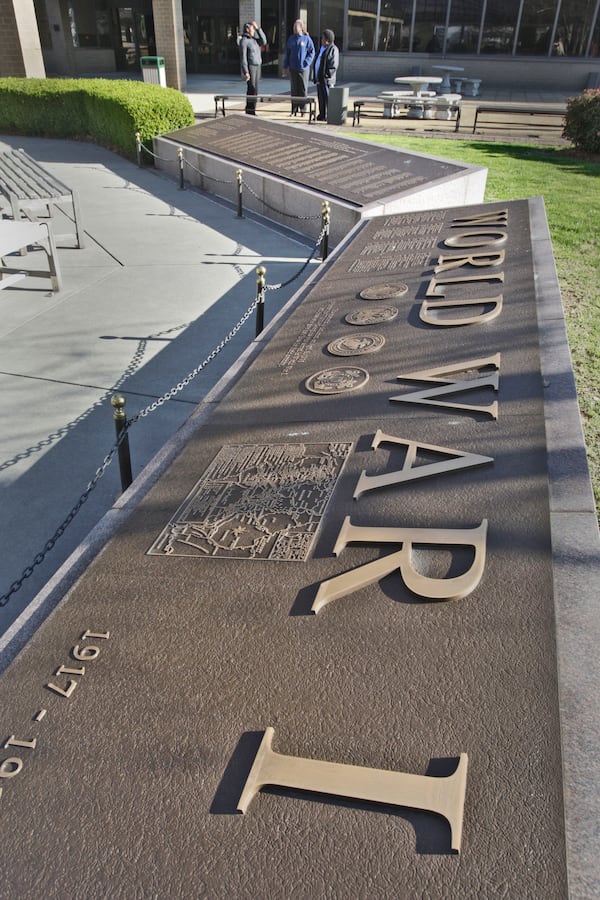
204, 175
276, 287
153, 154
281, 212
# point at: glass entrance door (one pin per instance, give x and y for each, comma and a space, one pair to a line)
131, 37
211, 43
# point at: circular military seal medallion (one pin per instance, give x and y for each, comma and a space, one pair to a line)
372, 316
384, 291
337, 381
356, 344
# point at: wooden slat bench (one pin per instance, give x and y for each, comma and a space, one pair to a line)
27, 186
15, 237
309, 102
504, 115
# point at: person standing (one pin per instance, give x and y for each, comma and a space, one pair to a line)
326, 68
299, 55
250, 62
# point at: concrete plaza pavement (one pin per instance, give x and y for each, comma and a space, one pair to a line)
163, 278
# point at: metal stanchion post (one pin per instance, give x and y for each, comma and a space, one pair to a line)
238, 175
138, 147
260, 299
180, 158
118, 403
325, 229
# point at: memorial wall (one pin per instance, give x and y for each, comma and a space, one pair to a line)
320, 657
288, 172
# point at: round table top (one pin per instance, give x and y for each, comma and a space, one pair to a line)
418, 79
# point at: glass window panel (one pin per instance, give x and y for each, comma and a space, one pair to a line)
463, 27
332, 16
362, 22
394, 24
536, 27
430, 26
90, 23
595, 45
574, 23
499, 27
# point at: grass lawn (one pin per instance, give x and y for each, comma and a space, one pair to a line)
571, 191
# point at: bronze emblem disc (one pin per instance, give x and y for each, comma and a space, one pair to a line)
384, 291
356, 344
337, 381
372, 316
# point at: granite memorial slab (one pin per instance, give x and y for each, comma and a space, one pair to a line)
289, 171
321, 656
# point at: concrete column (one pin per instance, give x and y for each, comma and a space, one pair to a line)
249, 12
20, 49
168, 31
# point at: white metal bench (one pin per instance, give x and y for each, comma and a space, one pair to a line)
27, 186
15, 237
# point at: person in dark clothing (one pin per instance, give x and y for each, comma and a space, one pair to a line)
299, 55
250, 62
326, 67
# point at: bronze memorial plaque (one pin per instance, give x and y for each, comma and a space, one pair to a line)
256, 502
354, 171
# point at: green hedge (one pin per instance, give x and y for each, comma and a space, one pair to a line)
102, 110
582, 121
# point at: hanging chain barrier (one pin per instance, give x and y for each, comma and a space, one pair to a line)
239, 182
131, 369
122, 428
139, 146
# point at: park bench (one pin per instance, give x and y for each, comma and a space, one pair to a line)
505, 115
29, 189
310, 102
16, 237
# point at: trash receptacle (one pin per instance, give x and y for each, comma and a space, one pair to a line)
337, 106
153, 70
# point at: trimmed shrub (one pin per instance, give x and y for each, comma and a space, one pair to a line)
102, 110
582, 121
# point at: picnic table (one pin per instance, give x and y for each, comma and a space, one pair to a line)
445, 87
418, 83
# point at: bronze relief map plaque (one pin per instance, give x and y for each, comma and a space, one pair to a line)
256, 502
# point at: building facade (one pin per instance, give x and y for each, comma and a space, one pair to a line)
553, 42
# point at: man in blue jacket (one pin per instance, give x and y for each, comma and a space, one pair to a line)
299, 55
326, 68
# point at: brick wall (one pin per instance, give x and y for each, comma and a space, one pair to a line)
168, 31
20, 50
